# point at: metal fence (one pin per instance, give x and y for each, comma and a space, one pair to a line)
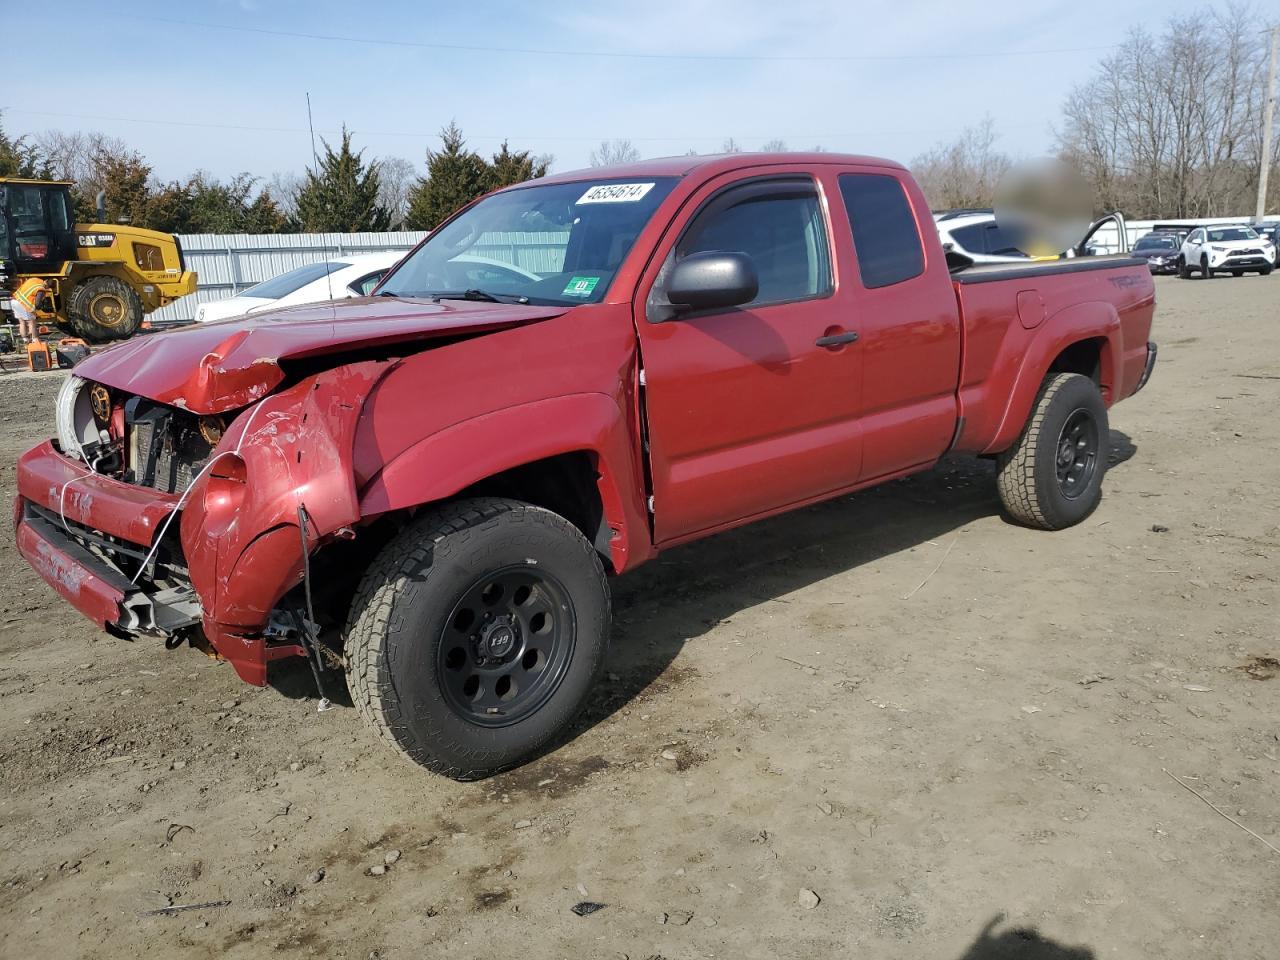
229, 263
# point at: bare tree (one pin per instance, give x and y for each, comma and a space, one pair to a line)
283, 188
71, 155
612, 152
731, 146
963, 172
396, 178
1169, 125
774, 146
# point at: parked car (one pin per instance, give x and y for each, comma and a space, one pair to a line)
1227, 249
353, 276
1160, 250
448, 476
976, 235
1271, 233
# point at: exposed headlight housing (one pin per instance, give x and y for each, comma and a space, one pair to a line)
73, 417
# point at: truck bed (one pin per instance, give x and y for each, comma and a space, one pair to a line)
991, 272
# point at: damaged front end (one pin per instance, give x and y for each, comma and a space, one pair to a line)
157, 520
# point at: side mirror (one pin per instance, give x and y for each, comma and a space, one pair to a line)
707, 281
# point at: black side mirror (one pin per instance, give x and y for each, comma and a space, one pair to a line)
707, 281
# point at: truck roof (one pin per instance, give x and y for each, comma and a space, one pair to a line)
710, 165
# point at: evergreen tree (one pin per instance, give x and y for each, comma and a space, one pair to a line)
455, 177
508, 167
341, 196
126, 178
20, 158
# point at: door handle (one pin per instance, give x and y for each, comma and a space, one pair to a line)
836, 339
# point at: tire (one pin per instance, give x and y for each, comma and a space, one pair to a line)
1206, 272
1237, 273
422, 618
1264, 271
1184, 272
102, 309
1029, 477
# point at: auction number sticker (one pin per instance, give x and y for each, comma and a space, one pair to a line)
615, 193
580, 286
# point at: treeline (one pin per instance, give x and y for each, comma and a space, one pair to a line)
1170, 125
343, 192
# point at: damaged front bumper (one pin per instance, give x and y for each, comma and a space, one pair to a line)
89, 537
221, 569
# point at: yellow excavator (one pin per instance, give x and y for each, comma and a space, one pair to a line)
103, 277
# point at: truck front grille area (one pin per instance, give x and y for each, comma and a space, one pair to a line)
166, 447
166, 566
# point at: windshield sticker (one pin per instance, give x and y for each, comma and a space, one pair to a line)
615, 193
581, 286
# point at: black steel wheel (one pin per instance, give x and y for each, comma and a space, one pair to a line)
505, 646
476, 635
1077, 455
1052, 477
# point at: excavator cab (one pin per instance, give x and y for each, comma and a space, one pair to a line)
37, 226
104, 278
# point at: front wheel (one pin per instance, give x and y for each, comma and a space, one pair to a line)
102, 309
1205, 271
1052, 477
1264, 271
1184, 272
476, 635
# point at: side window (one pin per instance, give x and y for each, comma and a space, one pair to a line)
1197, 236
780, 226
885, 235
58, 211
971, 238
364, 286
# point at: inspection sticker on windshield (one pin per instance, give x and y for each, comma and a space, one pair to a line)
615, 193
580, 286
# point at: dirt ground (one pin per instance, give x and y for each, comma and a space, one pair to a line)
934, 720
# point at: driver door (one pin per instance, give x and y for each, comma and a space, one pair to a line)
748, 412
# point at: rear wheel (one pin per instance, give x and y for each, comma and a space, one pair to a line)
476, 635
1237, 273
101, 309
1052, 477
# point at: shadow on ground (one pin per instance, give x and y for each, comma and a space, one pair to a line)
1020, 943
687, 591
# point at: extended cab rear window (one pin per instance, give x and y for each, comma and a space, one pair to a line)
885, 235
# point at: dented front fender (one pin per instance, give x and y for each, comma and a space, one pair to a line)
239, 530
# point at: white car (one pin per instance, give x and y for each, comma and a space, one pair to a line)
976, 235
1227, 249
353, 276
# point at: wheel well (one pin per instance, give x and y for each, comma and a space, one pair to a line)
564, 484
1083, 357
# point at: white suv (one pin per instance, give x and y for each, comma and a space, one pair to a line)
1227, 249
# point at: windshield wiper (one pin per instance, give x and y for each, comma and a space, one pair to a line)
479, 295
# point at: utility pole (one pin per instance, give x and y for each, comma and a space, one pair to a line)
1268, 110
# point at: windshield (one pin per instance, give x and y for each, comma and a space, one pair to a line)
286, 283
1232, 233
1157, 243
551, 244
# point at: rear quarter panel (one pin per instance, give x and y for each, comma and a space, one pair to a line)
1016, 327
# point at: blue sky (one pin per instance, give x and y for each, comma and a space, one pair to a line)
564, 101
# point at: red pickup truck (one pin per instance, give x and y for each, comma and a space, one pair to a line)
566, 377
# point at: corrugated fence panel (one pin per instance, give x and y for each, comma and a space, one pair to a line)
228, 263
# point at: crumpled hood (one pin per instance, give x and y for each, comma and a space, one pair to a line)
214, 367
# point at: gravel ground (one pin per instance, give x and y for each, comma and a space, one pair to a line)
799, 751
